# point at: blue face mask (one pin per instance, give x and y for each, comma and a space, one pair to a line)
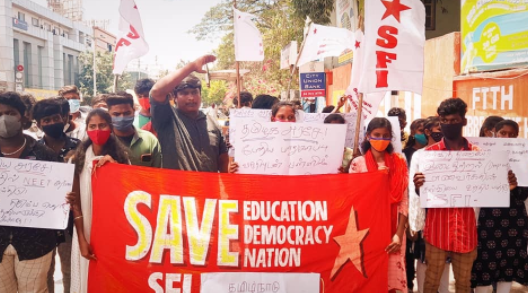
75, 105
421, 139
122, 123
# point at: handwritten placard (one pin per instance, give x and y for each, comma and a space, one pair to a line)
289, 148
517, 149
350, 122
260, 282
32, 193
464, 179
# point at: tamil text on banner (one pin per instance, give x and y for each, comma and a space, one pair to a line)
325, 41
289, 148
248, 39
162, 234
313, 84
238, 115
464, 179
499, 94
394, 46
32, 193
517, 149
494, 35
131, 43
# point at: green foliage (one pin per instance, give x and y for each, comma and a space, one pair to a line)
105, 77
319, 11
278, 29
215, 94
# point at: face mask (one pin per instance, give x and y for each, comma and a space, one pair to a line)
99, 137
9, 126
122, 123
437, 136
66, 127
452, 131
54, 130
380, 144
421, 138
75, 105
145, 103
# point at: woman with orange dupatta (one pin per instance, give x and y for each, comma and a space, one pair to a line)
378, 156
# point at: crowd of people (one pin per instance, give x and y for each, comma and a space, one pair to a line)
484, 249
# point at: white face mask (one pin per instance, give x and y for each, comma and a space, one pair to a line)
9, 126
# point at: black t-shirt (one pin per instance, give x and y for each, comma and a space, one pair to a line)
409, 152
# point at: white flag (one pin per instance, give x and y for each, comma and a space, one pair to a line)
394, 46
131, 42
324, 41
248, 39
371, 101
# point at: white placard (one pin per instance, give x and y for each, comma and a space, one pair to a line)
464, 179
289, 148
517, 149
396, 134
350, 122
260, 282
32, 193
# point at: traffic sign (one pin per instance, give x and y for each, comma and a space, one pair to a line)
20, 68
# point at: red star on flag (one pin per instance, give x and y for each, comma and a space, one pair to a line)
393, 8
350, 244
260, 44
315, 31
357, 44
239, 17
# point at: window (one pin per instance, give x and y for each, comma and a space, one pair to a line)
21, 16
16, 52
27, 64
430, 14
39, 60
110, 48
35, 21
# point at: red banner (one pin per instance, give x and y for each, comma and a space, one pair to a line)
172, 231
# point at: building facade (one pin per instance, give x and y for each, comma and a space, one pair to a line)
39, 49
104, 41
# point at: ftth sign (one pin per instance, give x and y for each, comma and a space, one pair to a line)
313, 84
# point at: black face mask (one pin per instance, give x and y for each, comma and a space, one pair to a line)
437, 136
452, 131
54, 130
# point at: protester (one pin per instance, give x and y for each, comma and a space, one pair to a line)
348, 154
402, 118
192, 140
99, 101
103, 146
144, 146
489, 124
74, 128
264, 102
328, 109
72, 94
334, 109
502, 235
379, 155
297, 105
416, 249
142, 90
442, 222
246, 100
26, 253
48, 115
29, 126
417, 139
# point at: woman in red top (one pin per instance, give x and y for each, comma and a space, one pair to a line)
379, 156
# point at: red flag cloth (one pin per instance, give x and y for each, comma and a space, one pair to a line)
155, 229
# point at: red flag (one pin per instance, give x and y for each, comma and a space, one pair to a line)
167, 231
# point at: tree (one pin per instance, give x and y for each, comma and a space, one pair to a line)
278, 29
105, 77
215, 94
319, 11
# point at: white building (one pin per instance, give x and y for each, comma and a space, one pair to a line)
45, 43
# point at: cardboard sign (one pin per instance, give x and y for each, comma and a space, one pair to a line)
517, 149
32, 193
289, 148
464, 179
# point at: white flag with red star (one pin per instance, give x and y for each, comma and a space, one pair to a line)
248, 39
131, 42
325, 41
370, 101
394, 46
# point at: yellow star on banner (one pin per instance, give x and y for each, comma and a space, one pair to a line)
350, 244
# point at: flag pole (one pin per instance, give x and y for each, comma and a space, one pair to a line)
356, 151
237, 63
292, 72
115, 82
